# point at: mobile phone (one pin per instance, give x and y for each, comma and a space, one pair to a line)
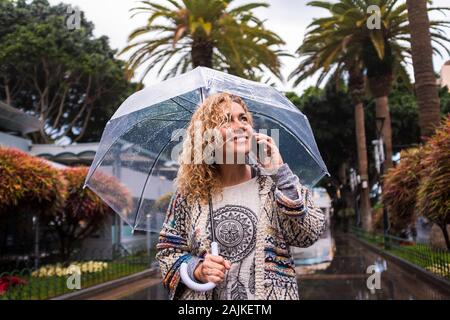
258, 151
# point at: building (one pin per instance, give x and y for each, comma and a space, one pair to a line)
444, 79
14, 125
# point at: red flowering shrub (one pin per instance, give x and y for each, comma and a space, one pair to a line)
7, 282
29, 182
400, 188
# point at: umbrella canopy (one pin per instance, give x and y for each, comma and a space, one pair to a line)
136, 149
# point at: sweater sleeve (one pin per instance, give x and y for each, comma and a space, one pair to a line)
300, 219
172, 247
286, 182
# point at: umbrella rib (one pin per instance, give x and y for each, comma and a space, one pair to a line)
176, 120
153, 165
187, 100
180, 105
146, 181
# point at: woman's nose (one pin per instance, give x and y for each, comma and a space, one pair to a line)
238, 125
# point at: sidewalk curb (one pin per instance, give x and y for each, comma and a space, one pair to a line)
426, 275
90, 291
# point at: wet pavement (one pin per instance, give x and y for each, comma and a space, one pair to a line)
345, 277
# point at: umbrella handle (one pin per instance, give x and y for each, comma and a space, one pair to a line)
191, 284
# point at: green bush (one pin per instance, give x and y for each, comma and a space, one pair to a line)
433, 196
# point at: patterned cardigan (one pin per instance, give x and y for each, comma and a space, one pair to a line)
282, 223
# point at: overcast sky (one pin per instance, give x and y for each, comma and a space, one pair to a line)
288, 18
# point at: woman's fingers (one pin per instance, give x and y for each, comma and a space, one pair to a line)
213, 275
214, 272
273, 159
214, 279
216, 259
214, 268
261, 135
213, 265
219, 260
269, 148
267, 142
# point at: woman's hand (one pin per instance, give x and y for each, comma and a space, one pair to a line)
273, 160
212, 269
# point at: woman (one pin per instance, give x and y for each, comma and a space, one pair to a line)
257, 216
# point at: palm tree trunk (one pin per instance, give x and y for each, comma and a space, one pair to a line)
422, 54
356, 86
202, 52
366, 214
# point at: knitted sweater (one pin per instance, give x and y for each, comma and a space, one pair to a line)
282, 223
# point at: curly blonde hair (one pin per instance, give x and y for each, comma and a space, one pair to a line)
197, 180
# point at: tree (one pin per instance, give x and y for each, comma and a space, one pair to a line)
356, 89
433, 196
400, 189
422, 56
325, 51
206, 33
162, 203
330, 113
383, 48
347, 42
67, 78
405, 115
83, 212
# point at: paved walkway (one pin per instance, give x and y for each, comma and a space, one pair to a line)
344, 278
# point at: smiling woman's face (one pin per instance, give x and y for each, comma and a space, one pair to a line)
237, 132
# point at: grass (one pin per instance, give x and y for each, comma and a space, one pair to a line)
37, 288
422, 255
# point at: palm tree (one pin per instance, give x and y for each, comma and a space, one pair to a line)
385, 50
356, 87
190, 33
329, 55
422, 54
344, 43
327, 51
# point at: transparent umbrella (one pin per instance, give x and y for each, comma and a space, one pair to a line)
133, 169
